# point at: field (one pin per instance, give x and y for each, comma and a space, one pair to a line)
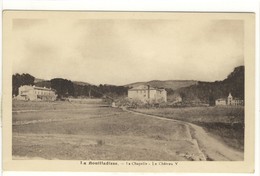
95, 131
224, 123
73, 131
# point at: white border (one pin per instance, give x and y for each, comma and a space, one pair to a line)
135, 5
143, 5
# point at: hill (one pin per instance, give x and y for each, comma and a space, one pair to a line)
168, 84
47, 83
208, 92
65, 88
80, 83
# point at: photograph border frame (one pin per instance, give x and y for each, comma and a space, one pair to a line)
50, 165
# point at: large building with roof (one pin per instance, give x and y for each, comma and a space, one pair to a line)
148, 94
28, 92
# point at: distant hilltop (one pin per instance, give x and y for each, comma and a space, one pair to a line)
167, 84
46, 83
81, 83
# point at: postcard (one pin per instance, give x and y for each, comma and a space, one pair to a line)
128, 91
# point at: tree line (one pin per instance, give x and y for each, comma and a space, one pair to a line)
19, 80
66, 88
208, 92
202, 92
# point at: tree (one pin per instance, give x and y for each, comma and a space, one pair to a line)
20, 80
63, 87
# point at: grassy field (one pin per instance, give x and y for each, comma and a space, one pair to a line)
63, 130
55, 105
225, 123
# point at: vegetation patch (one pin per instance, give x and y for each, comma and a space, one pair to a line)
225, 123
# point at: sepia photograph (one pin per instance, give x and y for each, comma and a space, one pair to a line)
129, 88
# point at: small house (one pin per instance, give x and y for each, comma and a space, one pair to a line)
221, 101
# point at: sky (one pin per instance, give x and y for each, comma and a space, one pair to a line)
123, 51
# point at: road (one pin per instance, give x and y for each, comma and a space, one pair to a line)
211, 149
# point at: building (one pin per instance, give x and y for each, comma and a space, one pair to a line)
175, 98
148, 94
229, 101
221, 101
236, 102
27, 92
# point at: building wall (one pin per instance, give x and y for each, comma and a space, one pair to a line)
34, 93
237, 102
26, 93
230, 101
221, 102
161, 95
142, 95
153, 95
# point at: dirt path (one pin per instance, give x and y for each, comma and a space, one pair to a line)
210, 148
214, 149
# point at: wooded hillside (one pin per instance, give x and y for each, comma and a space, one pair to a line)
66, 88
208, 92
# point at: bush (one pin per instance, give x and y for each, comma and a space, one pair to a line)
100, 142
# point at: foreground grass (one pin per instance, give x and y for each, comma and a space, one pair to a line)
102, 133
55, 105
225, 123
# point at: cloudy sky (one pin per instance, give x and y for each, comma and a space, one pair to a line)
122, 51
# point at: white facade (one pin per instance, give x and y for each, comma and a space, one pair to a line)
221, 101
229, 101
146, 93
35, 93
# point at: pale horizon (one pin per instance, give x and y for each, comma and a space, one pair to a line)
124, 51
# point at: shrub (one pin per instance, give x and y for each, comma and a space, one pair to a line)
100, 142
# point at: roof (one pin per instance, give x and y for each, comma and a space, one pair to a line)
38, 88
42, 88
